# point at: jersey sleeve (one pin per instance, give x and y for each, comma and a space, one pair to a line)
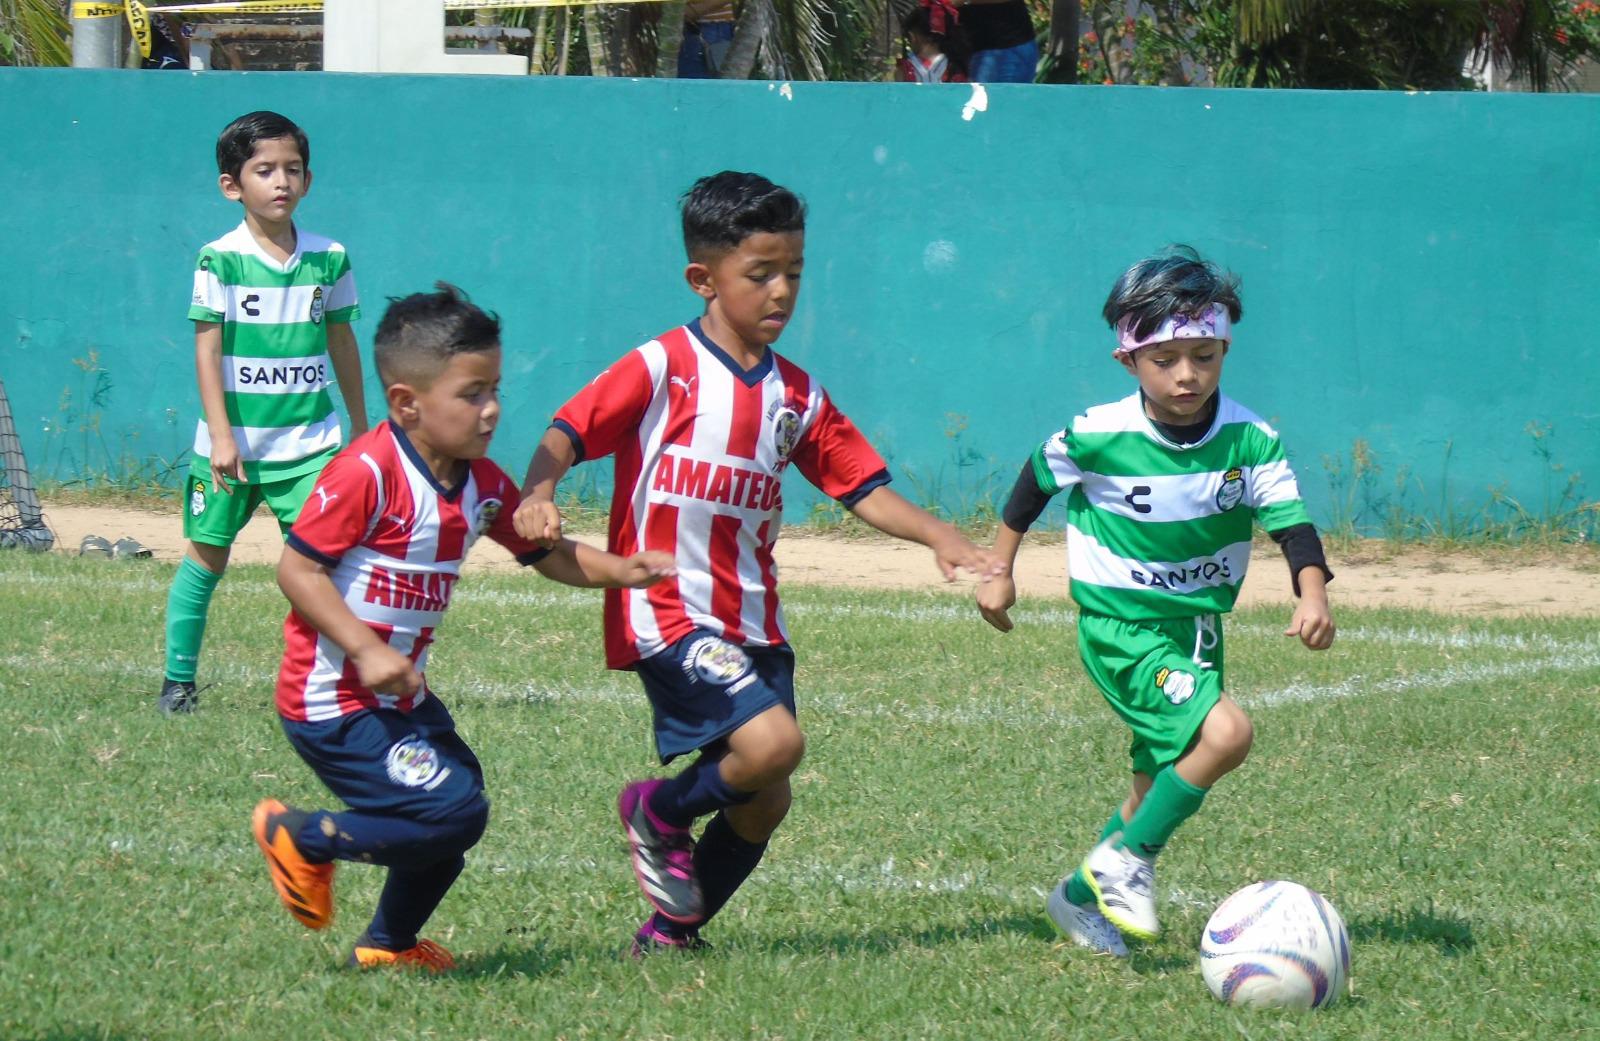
339, 511
599, 416
206, 303
343, 305
1271, 489
1053, 464
836, 457
504, 531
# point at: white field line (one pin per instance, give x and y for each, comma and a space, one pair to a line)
972, 713
559, 597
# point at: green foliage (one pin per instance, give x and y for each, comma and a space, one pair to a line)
1430, 774
34, 32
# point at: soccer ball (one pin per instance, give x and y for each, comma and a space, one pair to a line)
1276, 944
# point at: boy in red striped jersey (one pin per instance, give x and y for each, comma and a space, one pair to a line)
703, 422
369, 569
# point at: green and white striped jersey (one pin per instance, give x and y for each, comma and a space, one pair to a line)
275, 370
1155, 530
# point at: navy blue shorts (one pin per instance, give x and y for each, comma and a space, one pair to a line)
703, 688
399, 764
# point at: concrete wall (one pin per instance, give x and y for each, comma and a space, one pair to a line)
1416, 267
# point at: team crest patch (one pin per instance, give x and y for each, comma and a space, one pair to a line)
413, 762
1232, 490
316, 306
715, 661
1177, 686
197, 499
785, 432
488, 511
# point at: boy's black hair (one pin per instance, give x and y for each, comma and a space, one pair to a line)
238, 140
420, 333
723, 210
953, 42
1174, 281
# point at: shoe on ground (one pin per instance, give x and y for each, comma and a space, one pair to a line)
651, 940
426, 956
94, 546
129, 549
177, 698
1083, 924
306, 889
1124, 888
663, 856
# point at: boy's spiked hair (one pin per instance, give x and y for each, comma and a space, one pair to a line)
420, 333
238, 140
726, 208
1174, 281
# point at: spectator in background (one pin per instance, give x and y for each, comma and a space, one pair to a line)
936, 47
1004, 46
707, 35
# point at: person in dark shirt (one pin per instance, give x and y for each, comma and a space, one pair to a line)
1005, 48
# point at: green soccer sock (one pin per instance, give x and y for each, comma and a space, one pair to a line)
1170, 801
1078, 890
187, 604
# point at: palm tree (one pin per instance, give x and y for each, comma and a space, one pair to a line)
34, 32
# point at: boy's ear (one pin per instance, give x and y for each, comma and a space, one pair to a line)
230, 187
402, 398
1126, 358
698, 276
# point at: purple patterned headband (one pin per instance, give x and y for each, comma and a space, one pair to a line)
1211, 323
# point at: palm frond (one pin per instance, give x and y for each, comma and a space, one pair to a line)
1265, 21
34, 32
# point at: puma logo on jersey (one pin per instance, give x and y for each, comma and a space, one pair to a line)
399, 522
325, 497
686, 384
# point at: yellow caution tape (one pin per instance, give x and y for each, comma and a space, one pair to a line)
91, 9
312, 6
139, 22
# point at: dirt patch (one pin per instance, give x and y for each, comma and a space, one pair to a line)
1471, 584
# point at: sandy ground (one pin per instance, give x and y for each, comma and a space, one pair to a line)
1466, 583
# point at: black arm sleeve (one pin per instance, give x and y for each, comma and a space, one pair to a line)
1301, 548
1026, 502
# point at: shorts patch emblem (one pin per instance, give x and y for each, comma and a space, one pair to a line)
715, 661
197, 499
1232, 490
1177, 686
413, 762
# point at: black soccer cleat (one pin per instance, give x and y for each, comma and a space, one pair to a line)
178, 698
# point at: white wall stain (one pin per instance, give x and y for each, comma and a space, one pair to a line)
979, 102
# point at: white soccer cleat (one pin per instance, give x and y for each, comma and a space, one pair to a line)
1124, 889
1083, 924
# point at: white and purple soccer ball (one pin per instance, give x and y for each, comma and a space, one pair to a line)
1277, 945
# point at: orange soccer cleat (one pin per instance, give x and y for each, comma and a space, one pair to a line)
426, 956
306, 889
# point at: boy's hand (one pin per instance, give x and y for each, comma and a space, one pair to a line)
996, 595
646, 568
955, 552
1313, 623
384, 670
226, 466
538, 520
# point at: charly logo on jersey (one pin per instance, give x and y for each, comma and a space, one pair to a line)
413, 762
1176, 685
197, 499
488, 510
718, 662
316, 306
1232, 490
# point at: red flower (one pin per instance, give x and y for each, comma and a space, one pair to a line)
1092, 37
1561, 36
1107, 81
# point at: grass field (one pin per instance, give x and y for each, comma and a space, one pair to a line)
1436, 780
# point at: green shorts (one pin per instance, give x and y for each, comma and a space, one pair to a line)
1161, 675
215, 518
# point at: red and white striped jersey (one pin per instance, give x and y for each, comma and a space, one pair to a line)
393, 540
701, 447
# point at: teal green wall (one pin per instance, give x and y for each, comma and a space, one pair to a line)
1416, 268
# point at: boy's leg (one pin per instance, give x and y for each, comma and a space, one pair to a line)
211, 520
287, 497
712, 695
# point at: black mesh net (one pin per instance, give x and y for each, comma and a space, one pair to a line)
21, 520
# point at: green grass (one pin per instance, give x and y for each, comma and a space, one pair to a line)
1434, 778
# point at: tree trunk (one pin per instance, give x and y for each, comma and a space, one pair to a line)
541, 37
594, 39
1061, 52
566, 42
669, 37
755, 22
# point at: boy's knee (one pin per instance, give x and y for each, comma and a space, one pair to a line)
465, 825
1230, 732
787, 752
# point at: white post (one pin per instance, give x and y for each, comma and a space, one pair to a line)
399, 36
96, 34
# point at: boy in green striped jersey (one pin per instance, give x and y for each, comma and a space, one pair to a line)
1163, 487
272, 308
